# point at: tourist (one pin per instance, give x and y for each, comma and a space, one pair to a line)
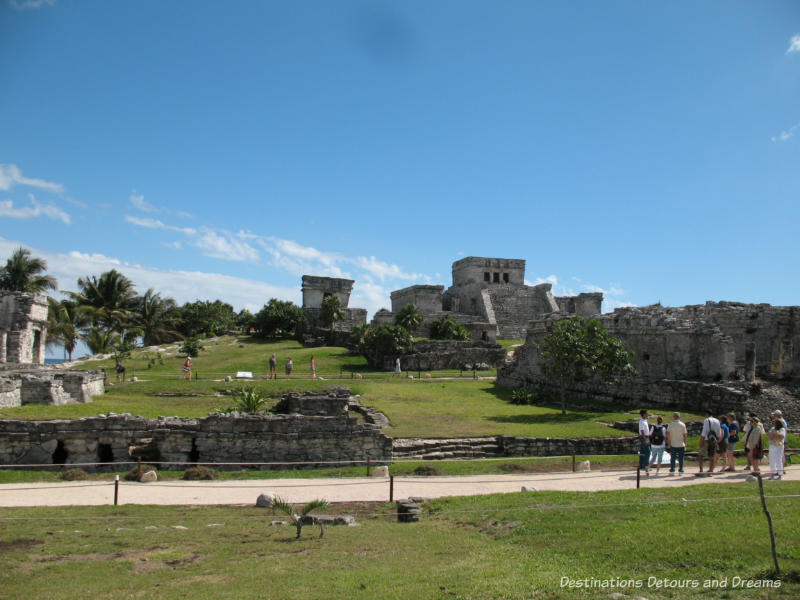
709, 437
733, 437
289, 367
273, 365
776, 437
745, 432
754, 444
644, 442
187, 368
658, 443
120, 369
722, 444
676, 436
313, 368
397, 369
778, 415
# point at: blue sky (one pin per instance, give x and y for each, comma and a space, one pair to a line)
222, 150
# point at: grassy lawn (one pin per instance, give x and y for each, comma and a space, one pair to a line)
505, 546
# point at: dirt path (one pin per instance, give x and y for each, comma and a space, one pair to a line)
351, 489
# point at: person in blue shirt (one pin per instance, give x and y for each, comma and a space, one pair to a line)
722, 444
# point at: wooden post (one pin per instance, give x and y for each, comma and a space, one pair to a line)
116, 490
638, 476
368, 465
769, 522
391, 488
573, 462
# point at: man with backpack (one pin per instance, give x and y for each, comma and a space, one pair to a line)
658, 443
709, 437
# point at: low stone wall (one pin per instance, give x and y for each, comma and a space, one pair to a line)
433, 355
524, 446
32, 384
222, 438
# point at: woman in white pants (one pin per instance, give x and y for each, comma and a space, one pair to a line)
776, 436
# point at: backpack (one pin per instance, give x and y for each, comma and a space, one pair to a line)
711, 438
658, 435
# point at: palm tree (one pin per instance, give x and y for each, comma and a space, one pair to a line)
22, 273
409, 317
64, 321
157, 318
109, 300
298, 520
331, 312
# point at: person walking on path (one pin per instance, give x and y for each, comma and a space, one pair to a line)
709, 437
273, 365
120, 369
397, 369
733, 437
644, 442
187, 368
658, 443
776, 437
313, 367
753, 443
676, 437
779, 416
289, 367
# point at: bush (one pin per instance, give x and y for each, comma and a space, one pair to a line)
133, 474
522, 396
191, 347
387, 340
74, 475
247, 400
279, 318
446, 328
427, 471
200, 473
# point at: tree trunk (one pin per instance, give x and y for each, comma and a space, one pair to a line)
561, 391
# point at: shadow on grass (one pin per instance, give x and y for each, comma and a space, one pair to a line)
545, 418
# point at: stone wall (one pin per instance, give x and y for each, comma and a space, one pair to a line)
23, 327
219, 438
427, 298
515, 306
523, 446
315, 289
433, 355
481, 329
583, 305
21, 384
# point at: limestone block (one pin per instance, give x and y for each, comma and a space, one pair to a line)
148, 477
266, 500
382, 471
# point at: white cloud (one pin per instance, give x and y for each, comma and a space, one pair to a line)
786, 135
51, 211
384, 270
371, 296
11, 175
156, 224
31, 4
225, 247
551, 279
794, 44
139, 202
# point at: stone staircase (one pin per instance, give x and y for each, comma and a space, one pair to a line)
445, 448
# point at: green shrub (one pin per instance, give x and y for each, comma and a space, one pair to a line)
446, 328
522, 396
427, 471
191, 347
74, 475
247, 400
200, 473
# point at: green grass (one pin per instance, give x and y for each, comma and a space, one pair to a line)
504, 546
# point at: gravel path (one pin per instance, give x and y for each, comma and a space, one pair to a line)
351, 489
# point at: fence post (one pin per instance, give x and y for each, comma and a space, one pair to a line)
638, 476
368, 465
116, 490
573, 462
391, 488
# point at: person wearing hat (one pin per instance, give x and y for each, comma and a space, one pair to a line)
753, 443
187, 368
776, 437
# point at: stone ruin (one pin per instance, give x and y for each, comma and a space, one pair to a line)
307, 428
24, 378
489, 297
691, 357
315, 290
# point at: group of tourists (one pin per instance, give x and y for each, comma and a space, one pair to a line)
289, 367
718, 439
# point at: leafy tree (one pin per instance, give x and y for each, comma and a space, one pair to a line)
358, 336
64, 321
158, 318
23, 273
203, 316
331, 311
303, 518
581, 349
446, 328
279, 318
109, 301
245, 320
387, 340
409, 317
191, 347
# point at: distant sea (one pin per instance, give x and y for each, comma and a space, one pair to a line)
52, 361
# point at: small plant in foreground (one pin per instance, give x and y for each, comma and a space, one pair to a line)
304, 518
522, 396
200, 473
247, 400
74, 475
427, 471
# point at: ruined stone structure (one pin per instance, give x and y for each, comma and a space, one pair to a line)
435, 355
24, 379
315, 290
23, 327
313, 427
687, 357
489, 296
